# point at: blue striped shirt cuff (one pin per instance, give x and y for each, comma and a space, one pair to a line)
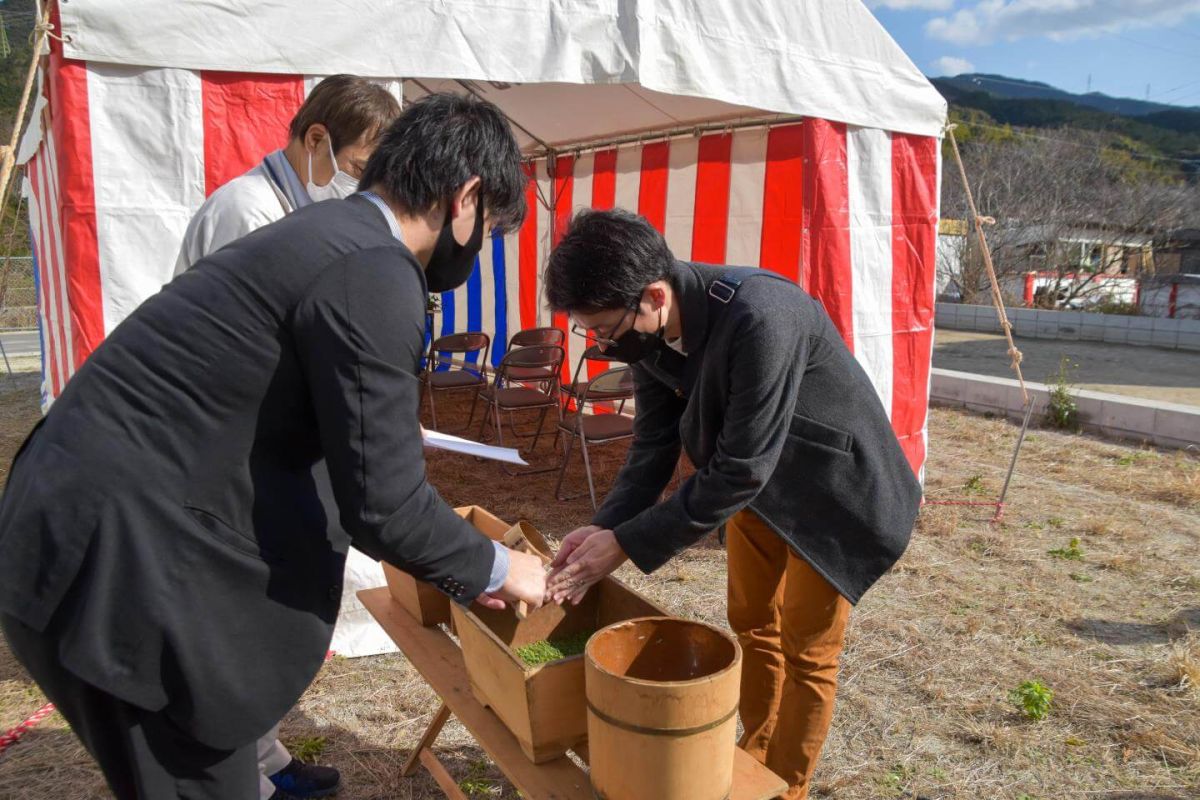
499, 568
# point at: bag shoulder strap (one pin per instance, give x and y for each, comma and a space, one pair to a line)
722, 291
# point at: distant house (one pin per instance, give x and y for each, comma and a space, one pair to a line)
1048, 265
1083, 249
1178, 253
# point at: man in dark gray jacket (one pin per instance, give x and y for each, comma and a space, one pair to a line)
793, 450
166, 574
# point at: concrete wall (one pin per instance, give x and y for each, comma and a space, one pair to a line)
1080, 326
1162, 424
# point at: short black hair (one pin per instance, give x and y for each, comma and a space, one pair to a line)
604, 261
349, 107
440, 142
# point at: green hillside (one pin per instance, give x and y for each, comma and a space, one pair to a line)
1169, 139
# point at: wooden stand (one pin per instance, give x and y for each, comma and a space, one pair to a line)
435, 655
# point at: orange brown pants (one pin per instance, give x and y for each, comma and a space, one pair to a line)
791, 625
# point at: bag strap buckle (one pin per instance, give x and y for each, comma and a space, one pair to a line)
723, 290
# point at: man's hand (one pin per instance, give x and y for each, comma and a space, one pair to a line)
526, 581
569, 544
594, 554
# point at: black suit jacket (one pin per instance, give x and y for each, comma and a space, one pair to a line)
162, 523
778, 417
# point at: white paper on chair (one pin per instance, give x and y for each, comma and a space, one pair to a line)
456, 444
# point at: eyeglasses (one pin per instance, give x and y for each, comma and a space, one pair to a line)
604, 341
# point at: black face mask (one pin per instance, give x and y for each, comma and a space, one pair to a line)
632, 346
451, 263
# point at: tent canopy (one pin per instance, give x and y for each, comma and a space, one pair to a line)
566, 72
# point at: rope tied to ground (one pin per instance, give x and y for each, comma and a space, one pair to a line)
997, 297
1014, 354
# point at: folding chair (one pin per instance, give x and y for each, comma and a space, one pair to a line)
573, 391
531, 337
576, 388
614, 385
503, 396
459, 376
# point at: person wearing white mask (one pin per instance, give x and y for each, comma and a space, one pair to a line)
331, 138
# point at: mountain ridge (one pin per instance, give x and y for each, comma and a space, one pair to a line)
1002, 86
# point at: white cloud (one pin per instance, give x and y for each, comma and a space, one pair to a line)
991, 20
952, 65
908, 5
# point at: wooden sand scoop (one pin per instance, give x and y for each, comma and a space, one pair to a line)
517, 539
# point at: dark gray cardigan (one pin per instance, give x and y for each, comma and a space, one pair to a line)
777, 416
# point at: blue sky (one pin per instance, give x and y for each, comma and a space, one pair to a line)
1124, 45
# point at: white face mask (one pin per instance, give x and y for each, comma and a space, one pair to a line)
342, 185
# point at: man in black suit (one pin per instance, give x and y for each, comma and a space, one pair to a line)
165, 572
793, 450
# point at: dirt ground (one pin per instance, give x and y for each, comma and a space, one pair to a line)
1152, 373
1110, 625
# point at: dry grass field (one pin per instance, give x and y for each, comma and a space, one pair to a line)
1110, 624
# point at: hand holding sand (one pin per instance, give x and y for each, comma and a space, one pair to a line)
587, 555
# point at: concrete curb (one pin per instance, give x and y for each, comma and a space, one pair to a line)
1074, 326
1161, 424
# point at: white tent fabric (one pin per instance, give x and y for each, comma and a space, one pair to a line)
686, 61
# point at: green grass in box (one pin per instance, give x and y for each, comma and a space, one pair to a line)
548, 650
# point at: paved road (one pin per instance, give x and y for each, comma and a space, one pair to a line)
21, 343
1149, 372
1152, 373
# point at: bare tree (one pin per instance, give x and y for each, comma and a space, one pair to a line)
1068, 204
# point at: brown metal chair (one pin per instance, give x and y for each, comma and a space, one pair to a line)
575, 389
510, 394
460, 375
573, 392
531, 337
614, 385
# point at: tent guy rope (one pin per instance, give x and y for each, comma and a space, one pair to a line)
1013, 352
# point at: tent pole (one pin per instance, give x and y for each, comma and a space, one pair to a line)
678, 133
9, 154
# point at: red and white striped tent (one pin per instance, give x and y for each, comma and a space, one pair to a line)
795, 136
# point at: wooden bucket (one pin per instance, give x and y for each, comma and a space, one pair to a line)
662, 699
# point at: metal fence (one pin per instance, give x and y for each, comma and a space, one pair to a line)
18, 293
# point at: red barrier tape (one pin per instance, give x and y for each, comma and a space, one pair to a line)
10, 738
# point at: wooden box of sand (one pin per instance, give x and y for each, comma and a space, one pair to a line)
543, 704
428, 604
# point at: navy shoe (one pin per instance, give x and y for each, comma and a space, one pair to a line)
302, 780
282, 795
